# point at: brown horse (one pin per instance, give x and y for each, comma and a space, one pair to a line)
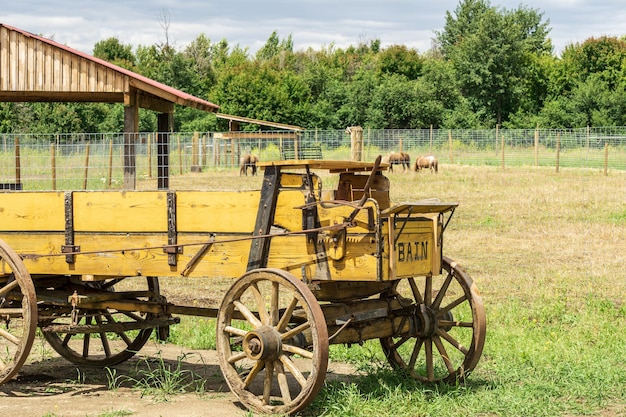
248, 161
398, 158
426, 162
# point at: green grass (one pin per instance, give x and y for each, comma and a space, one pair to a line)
159, 379
545, 251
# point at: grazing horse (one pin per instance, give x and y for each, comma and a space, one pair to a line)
426, 162
248, 161
398, 158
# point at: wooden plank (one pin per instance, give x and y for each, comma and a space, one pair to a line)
66, 72
330, 165
104, 211
4, 58
22, 63
31, 64
13, 70
92, 75
84, 75
26, 211
39, 67
58, 70
49, 68
216, 211
75, 70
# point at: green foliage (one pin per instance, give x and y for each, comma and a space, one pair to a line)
489, 66
161, 379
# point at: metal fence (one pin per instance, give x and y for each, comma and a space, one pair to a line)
96, 161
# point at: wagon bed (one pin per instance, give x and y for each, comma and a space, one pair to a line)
311, 267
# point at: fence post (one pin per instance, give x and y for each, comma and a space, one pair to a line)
53, 163
180, 155
203, 144
430, 147
502, 151
149, 144
558, 149
18, 168
450, 144
497, 136
86, 166
195, 153
537, 145
606, 158
110, 176
356, 143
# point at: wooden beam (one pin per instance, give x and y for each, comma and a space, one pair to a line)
164, 126
131, 126
61, 96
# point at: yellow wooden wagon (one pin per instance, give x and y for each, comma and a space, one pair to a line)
313, 267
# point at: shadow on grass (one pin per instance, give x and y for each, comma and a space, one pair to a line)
380, 384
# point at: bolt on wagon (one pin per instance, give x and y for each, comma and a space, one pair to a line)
311, 267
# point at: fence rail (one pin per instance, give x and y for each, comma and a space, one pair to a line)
96, 161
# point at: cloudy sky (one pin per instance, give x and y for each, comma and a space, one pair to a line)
316, 24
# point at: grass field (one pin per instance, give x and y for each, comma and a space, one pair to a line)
546, 249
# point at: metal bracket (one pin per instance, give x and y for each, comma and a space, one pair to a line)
69, 228
171, 249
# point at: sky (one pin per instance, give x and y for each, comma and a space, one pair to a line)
316, 24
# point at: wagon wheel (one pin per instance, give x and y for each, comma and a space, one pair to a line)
443, 336
102, 348
272, 342
18, 313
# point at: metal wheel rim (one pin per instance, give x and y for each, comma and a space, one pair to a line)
96, 351
18, 340
272, 394
434, 349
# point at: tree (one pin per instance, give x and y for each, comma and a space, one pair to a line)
113, 51
491, 50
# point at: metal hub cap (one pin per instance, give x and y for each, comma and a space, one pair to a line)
262, 344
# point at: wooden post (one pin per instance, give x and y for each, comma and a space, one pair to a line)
203, 144
450, 144
430, 146
558, 149
110, 176
149, 145
131, 126
606, 158
18, 167
53, 163
537, 145
502, 152
232, 152
163, 151
86, 166
356, 143
180, 155
496, 142
195, 153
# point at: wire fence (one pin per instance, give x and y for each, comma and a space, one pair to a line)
96, 161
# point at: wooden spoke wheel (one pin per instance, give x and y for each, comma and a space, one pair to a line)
272, 342
104, 336
442, 337
18, 313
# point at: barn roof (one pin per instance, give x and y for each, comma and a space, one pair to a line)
33, 68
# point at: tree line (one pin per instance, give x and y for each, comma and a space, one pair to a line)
487, 67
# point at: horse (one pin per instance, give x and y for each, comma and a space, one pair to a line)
426, 162
398, 158
248, 161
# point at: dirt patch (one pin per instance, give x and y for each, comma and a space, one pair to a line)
52, 386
